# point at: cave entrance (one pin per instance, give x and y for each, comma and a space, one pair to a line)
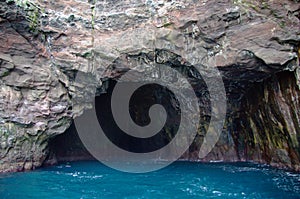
68, 146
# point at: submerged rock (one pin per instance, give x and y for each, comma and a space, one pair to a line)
255, 45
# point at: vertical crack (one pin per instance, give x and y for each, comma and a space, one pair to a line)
93, 16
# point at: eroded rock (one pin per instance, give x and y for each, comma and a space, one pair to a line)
46, 43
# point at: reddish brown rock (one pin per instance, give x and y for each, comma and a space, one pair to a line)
253, 43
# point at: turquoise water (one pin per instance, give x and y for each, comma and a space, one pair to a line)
180, 180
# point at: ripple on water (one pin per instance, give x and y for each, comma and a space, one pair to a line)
179, 180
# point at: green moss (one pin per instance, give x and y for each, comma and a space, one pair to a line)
168, 132
7, 129
246, 4
71, 18
93, 13
264, 5
86, 55
4, 74
257, 6
4, 133
167, 25
34, 20
33, 13
282, 24
93, 17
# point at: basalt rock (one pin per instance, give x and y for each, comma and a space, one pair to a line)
254, 45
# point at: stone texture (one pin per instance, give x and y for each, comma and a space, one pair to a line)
265, 129
46, 43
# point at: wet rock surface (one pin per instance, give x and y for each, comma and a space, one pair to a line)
254, 44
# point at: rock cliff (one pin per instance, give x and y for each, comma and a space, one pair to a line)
254, 44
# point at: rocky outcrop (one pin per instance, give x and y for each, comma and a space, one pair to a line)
254, 44
269, 125
264, 129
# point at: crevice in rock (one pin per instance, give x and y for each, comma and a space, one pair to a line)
67, 147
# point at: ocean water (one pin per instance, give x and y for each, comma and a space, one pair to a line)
90, 179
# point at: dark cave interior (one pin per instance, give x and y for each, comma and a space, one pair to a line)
68, 146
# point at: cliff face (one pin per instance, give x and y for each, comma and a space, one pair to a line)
271, 111
254, 44
265, 126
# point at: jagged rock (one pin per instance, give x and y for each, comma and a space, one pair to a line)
253, 43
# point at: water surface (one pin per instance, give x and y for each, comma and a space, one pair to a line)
90, 179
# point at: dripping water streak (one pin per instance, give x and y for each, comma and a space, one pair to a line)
53, 65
